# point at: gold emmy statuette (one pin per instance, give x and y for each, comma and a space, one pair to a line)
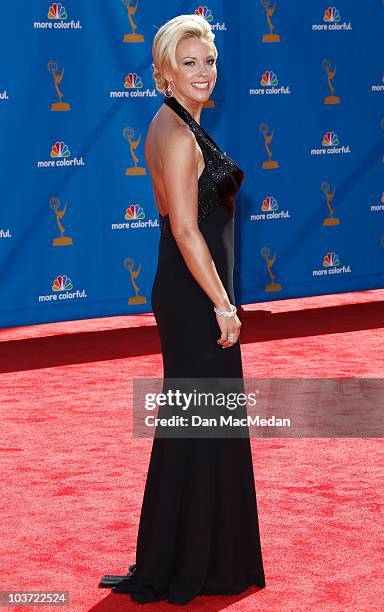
57, 78
132, 38
331, 220
332, 99
133, 144
129, 265
270, 163
271, 37
272, 286
54, 203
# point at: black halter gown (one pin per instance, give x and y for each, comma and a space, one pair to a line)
198, 531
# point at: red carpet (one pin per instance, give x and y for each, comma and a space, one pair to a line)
74, 476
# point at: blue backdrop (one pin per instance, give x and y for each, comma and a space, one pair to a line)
298, 104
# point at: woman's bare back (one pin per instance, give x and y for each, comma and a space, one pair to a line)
156, 140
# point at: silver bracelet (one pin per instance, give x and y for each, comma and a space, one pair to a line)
225, 313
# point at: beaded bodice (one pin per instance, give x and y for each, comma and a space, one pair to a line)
221, 177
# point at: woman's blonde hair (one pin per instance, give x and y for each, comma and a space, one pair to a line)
167, 39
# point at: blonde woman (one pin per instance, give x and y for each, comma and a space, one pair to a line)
198, 531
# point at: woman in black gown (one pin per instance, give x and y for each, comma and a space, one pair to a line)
198, 531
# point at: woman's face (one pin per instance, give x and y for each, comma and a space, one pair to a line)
195, 65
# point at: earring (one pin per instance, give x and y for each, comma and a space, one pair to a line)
168, 95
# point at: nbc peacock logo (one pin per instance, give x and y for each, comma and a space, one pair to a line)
134, 218
62, 283
332, 21
330, 142
62, 290
330, 259
133, 81
57, 19
269, 210
268, 78
330, 139
57, 11
134, 212
331, 15
205, 11
60, 156
60, 149
331, 266
133, 87
269, 85
270, 203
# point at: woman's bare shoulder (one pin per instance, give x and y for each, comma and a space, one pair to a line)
166, 128
168, 138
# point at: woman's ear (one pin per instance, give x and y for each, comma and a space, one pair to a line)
167, 73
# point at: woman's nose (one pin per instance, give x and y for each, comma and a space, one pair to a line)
203, 70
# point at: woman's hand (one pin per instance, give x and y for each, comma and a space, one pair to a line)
228, 325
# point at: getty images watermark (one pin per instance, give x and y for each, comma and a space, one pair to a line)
267, 407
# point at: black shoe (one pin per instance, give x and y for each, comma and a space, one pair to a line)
108, 581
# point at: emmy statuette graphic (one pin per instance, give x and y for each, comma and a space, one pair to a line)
132, 38
270, 163
129, 265
57, 78
331, 220
272, 286
136, 170
331, 99
54, 203
271, 37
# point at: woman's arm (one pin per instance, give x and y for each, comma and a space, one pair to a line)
180, 168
